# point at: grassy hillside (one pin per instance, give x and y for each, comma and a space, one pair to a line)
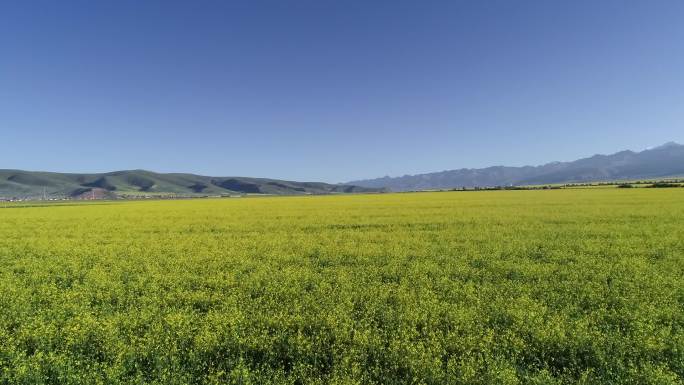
16, 183
500, 287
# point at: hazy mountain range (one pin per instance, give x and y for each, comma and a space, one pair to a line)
29, 184
663, 161
659, 162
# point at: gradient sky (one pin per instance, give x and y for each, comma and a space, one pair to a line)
334, 90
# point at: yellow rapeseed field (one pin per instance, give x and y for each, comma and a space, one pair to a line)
496, 287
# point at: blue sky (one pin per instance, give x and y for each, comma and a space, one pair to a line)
334, 90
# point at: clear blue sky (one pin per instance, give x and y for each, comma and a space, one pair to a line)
334, 90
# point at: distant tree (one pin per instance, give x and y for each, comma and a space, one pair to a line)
664, 184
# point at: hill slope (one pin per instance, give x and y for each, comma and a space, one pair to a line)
28, 184
666, 160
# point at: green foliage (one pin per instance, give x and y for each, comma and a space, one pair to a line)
664, 185
495, 287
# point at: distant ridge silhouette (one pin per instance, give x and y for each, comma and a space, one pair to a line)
662, 161
131, 183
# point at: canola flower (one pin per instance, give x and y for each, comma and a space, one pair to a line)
494, 287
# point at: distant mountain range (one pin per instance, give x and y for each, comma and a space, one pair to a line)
659, 162
663, 161
121, 184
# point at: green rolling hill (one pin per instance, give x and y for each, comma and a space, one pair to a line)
134, 183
